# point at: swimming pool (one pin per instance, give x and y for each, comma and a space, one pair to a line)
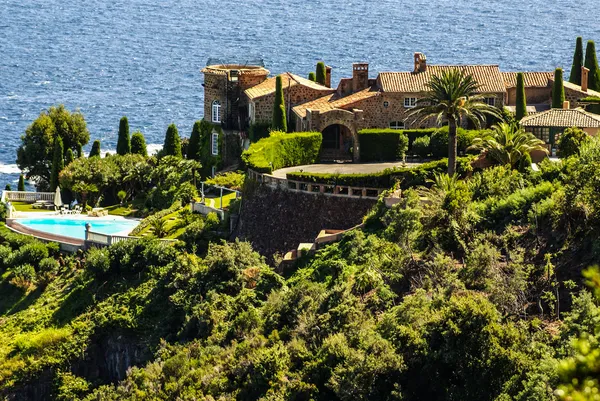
75, 227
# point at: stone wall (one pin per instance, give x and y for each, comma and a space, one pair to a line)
573, 97
533, 96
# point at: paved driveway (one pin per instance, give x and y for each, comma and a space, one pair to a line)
342, 168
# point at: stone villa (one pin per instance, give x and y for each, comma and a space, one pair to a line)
239, 95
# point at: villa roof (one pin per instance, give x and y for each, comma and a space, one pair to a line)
488, 76
288, 79
536, 79
334, 101
562, 118
577, 88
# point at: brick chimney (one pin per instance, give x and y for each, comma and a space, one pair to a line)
420, 62
360, 76
585, 72
566, 105
328, 76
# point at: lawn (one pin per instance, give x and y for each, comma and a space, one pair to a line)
121, 210
216, 202
27, 207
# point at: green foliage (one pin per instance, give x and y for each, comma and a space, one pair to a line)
312, 76
575, 76
420, 146
159, 227
232, 180
283, 150
207, 159
123, 141
258, 131
521, 107
558, 90
172, 144
321, 75
21, 184
69, 157
279, 121
571, 140
591, 62
58, 163
382, 145
138, 144
35, 155
95, 151
193, 151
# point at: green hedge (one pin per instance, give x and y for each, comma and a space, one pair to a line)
377, 145
408, 177
283, 150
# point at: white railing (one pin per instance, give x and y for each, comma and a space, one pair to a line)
110, 239
201, 208
26, 196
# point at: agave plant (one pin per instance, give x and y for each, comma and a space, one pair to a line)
509, 144
453, 95
159, 227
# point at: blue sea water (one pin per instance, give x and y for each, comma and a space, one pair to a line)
143, 58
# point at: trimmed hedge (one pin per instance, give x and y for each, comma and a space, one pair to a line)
283, 150
408, 177
378, 145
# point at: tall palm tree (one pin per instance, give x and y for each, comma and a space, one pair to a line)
509, 144
453, 95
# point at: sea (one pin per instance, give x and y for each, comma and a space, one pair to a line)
142, 58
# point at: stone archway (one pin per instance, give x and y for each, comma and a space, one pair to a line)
338, 143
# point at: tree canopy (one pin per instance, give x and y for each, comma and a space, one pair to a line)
172, 144
123, 141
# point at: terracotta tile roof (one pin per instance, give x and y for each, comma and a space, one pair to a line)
333, 101
577, 88
562, 118
532, 79
488, 76
288, 79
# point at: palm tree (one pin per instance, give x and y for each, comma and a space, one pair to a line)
453, 96
509, 144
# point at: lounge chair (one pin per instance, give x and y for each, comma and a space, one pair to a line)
76, 209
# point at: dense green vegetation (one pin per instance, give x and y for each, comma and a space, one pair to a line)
58, 163
138, 144
95, 151
283, 150
382, 145
321, 74
521, 108
279, 121
558, 90
591, 62
172, 144
21, 183
575, 76
123, 141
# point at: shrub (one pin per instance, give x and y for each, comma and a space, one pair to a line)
121, 195
23, 276
97, 261
558, 89
172, 144
382, 144
123, 141
21, 184
159, 228
95, 149
421, 146
138, 144
283, 150
5, 256
279, 121
321, 75
570, 141
257, 131
31, 253
48, 265
232, 180
186, 193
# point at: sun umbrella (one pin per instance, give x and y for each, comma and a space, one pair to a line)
57, 198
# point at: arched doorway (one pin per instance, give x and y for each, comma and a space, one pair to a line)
337, 144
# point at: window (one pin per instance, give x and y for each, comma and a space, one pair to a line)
386, 104
490, 101
213, 171
251, 111
410, 102
216, 112
542, 133
397, 125
215, 144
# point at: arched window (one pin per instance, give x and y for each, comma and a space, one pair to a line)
397, 125
216, 111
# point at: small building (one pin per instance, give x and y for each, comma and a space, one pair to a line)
549, 125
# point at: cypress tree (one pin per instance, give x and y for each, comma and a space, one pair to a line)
69, 157
279, 115
521, 110
575, 76
194, 144
591, 62
21, 184
79, 150
7, 187
558, 90
312, 76
321, 74
123, 143
172, 145
58, 162
138, 144
95, 149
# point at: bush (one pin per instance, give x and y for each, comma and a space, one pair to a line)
48, 265
5, 256
571, 140
283, 150
23, 276
258, 131
186, 193
421, 146
97, 261
382, 144
232, 180
31, 253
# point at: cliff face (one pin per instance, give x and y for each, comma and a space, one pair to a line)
277, 221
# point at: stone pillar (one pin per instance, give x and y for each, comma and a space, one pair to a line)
356, 124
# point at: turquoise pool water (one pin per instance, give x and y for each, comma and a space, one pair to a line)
75, 228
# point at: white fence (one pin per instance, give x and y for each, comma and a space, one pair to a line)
95, 238
201, 208
26, 196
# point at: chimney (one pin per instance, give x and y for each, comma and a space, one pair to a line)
585, 72
360, 76
566, 105
420, 62
328, 76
